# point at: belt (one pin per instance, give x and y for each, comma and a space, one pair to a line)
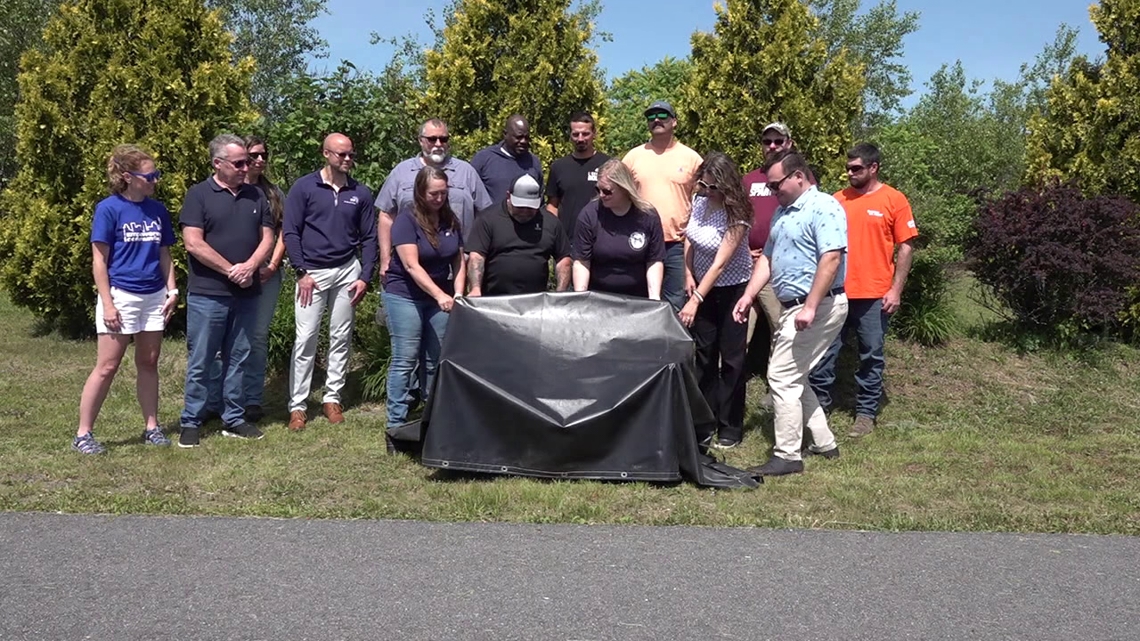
800, 301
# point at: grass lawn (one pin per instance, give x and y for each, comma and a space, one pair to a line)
974, 437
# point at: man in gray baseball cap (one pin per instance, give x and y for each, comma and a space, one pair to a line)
510, 246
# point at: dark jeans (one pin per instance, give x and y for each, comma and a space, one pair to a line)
673, 285
866, 317
720, 344
216, 324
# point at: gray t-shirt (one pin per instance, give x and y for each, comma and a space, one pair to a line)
466, 193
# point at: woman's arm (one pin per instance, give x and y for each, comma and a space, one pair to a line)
100, 257
655, 275
690, 279
459, 268
410, 256
167, 265
732, 239
581, 275
275, 259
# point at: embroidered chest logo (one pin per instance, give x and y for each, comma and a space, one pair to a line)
759, 190
353, 200
592, 176
637, 240
875, 213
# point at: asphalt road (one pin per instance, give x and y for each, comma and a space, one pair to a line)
94, 577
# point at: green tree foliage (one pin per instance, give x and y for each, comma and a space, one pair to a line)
768, 60
497, 57
875, 38
1090, 132
630, 94
372, 110
155, 72
279, 35
21, 23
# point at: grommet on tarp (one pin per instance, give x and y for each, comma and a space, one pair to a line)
503, 468
445, 464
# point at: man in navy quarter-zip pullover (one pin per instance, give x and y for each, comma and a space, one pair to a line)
330, 237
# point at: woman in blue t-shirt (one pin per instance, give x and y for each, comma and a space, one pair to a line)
420, 286
717, 269
618, 244
131, 236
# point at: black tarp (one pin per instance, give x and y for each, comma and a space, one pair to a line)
569, 385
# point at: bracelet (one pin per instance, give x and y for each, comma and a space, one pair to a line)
172, 292
700, 299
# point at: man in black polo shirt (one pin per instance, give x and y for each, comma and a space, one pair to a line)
574, 178
510, 246
228, 229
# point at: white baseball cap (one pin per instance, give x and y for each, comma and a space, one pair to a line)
526, 192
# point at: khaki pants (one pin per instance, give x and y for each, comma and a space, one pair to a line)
766, 303
794, 354
332, 292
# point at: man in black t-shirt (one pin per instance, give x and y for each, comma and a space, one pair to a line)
510, 247
573, 178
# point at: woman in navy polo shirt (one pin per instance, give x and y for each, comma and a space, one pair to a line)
131, 237
420, 286
618, 243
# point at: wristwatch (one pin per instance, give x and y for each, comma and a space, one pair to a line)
299, 271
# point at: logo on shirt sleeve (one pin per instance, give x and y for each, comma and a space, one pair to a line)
637, 240
910, 223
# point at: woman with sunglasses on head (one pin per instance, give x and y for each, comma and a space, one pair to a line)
131, 235
618, 244
426, 274
717, 268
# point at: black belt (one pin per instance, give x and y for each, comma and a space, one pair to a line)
800, 301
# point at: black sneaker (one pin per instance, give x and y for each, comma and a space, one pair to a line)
243, 430
833, 453
777, 466
188, 437
723, 443
254, 414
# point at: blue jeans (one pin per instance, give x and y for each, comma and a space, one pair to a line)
417, 329
673, 286
216, 324
866, 317
253, 380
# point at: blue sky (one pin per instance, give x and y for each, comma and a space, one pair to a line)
992, 38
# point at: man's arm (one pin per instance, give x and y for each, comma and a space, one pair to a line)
475, 264
893, 299
761, 272
824, 276
385, 238
552, 203
195, 241
562, 271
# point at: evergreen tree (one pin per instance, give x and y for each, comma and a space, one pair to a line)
154, 72
766, 60
498, 57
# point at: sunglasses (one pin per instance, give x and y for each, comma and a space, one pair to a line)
704, 185
854, 169
437, 139
658, 116
343, 155
149, 177
778, 142
774, 187
259, 155
237, 164
603, 191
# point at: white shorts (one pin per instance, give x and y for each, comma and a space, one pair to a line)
139, 312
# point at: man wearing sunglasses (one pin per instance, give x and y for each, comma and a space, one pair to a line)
665, 171
804, 257
466, 192
879, 221
229, 231
500, 164
330, 237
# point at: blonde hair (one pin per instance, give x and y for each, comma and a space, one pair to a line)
622, 178
124, 158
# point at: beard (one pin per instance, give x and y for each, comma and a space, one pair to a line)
437, 156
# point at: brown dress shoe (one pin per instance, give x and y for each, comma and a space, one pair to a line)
334, 413
297, 420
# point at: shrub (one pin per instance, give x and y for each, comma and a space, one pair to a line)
1060, 263
925, 315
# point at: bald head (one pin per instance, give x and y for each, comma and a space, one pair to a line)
516, 135
338, 152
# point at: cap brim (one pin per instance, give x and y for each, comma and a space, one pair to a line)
529, 203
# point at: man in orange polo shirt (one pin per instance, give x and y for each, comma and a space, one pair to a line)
665, 171
879, 220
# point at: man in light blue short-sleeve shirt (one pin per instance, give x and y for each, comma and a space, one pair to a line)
466, 193
805, 259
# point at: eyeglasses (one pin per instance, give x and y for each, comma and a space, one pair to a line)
259, 155
237, 164
658, 116
149, 177
774, 187
854, 169
603, 191
770, 142
704, 185
437, 139
343, 155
